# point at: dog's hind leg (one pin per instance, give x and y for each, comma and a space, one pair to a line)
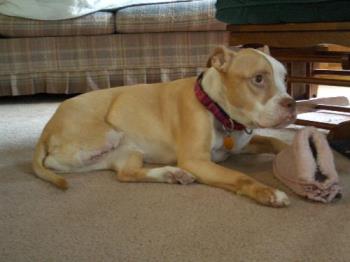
132, 170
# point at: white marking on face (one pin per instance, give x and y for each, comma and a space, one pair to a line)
279, 72
272, 114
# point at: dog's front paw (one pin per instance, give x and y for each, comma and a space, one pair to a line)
178, 175
272, 197
170, 174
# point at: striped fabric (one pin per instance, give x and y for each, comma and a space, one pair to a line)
180, 16
100, 23
80, 64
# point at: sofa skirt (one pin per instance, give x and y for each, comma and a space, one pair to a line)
86, 81
69, 65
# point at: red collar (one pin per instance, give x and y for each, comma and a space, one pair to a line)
228, 123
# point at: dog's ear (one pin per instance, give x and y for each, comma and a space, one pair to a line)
265, 49
221, 58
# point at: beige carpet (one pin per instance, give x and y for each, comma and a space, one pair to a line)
99, 219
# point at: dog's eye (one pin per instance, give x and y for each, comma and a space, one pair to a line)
258, 80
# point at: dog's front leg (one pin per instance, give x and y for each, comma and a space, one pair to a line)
264, 144
209, 173
131, 169
194, 155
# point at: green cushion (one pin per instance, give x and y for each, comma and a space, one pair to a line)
281, 11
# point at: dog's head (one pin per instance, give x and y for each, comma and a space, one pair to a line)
250, 86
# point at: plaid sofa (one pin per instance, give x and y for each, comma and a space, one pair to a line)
137, 44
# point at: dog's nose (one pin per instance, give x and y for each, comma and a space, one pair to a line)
288, 103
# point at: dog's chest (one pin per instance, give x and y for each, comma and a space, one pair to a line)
218, 150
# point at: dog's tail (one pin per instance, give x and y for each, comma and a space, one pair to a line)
44, 173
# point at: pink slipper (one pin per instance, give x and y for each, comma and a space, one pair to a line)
307, 167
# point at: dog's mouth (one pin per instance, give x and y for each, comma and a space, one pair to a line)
290, 119
287, 121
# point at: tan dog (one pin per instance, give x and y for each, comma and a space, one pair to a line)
122, 128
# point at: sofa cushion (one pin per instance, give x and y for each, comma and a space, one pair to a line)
98, 23
282, 11
178, 16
